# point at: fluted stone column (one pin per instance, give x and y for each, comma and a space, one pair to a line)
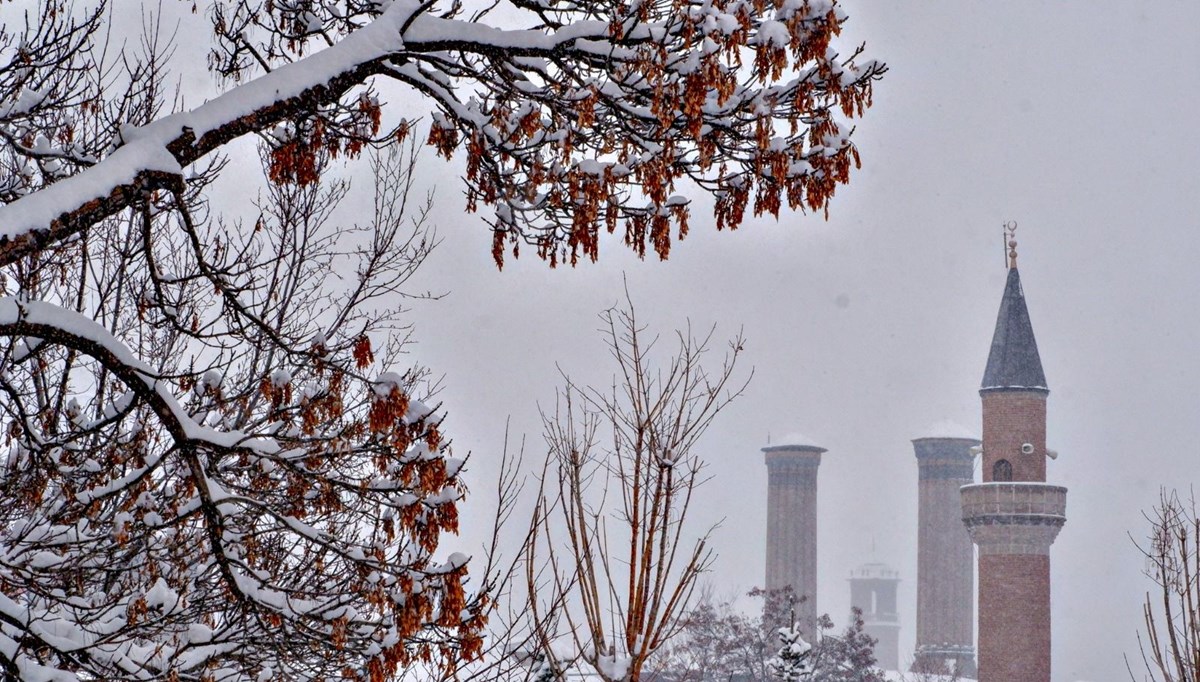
792, 524
945, 559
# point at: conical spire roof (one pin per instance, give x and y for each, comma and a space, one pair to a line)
1014, 362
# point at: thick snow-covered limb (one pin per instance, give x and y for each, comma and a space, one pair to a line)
152, 159
211, 531
203, 484
535, 108
58, 325
428, 34
152, 156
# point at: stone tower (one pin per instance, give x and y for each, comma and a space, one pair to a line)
873, 590
792, 523
945, 556
1014, 516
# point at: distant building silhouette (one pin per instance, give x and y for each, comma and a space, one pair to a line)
1013, 516
873, 591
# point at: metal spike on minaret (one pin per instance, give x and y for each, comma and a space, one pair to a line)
1010, 238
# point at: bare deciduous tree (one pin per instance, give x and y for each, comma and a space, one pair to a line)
1171, 647
613, 561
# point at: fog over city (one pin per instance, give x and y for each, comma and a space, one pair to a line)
1074, 119
867, 329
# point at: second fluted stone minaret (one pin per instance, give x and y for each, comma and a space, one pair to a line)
945, 556
792, 522
1014, 516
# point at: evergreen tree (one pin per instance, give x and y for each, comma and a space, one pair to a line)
793, 661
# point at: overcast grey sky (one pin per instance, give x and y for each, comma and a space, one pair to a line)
1076, 119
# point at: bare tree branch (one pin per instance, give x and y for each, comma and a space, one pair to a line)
625, 568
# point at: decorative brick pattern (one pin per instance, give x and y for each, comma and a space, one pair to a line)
945, 558
792, 524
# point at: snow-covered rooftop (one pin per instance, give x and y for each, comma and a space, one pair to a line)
793, 439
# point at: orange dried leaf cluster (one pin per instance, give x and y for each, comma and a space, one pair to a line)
295, 162
387, 412
299, 159
443, 139
363, 356
576, 150
322, 407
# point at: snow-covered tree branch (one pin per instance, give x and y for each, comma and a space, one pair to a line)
209, 473
219, 464
584, 122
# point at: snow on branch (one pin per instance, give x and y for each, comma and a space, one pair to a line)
151, 157
144, 559
589, 120
39, 320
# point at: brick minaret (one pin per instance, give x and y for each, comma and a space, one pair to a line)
1014, 516
945, 558
792, 523
873, 590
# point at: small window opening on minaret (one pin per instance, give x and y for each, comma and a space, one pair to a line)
1002, 470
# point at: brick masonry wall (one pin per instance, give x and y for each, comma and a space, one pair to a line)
1014, 618
1010, 420
1014, 526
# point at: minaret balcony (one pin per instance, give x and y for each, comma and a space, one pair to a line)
1014, 517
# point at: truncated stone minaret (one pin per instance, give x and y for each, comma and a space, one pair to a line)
792, 524
1014, 516
873, 591
945, 558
